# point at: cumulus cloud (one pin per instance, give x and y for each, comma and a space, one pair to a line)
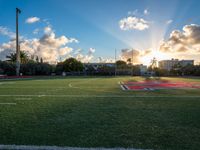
32, 20
187, 40
91, 51
133, 23
138, 56
6, 32
85, 58
49, 46
48, 30
129, 54
65, 50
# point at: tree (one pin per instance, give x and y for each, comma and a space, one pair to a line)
37, 59
32, 68
23, 57
71, 65
188, 69
7, 68
41, 60
160, 72
135, 70
121, 63
176, 70
106, 70
90, 70
153, 63
129, 61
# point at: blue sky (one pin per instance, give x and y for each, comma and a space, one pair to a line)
95, 23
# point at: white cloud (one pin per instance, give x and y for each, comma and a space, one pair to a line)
36, 31
71, 40
133, 23
133, 13
48, 30
146, 12
130, 54
49, 47
85, 58
91, 50
169, 21
5, 31
32, 20
65, 50
183, 43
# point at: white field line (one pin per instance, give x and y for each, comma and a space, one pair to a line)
122, 87
8, 103
105, 96
3, 83
30, 87
127, 87
70, 85
30, 147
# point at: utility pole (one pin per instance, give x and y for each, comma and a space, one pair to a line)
132, 63
18, 11
115, 62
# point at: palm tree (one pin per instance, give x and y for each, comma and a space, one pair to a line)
154, 63
23, 57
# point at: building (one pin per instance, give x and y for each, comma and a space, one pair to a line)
143, 69
169, 64
95, 66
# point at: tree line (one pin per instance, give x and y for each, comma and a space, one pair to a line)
33, 65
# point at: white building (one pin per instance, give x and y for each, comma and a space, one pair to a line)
143, 69
169, 64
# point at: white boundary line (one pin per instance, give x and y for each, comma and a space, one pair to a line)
31, 147
8, 103
105, 96
122, 87
70, 85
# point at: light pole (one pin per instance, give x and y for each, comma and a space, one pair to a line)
115, 62
132, 63
18, 11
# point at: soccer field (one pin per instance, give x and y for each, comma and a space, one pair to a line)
96, 112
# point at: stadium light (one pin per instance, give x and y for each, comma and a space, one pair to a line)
18, 11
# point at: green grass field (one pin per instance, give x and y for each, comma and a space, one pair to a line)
96, 112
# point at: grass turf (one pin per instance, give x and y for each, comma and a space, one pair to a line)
95, 112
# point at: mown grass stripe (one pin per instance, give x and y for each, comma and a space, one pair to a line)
106, 96
31, 147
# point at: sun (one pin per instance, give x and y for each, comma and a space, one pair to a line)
146, 60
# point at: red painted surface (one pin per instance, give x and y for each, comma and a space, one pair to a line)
160, 85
